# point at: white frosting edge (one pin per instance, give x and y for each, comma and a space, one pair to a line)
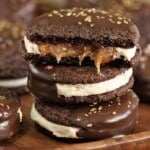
57, 129
127, 53
13, 83
69, 90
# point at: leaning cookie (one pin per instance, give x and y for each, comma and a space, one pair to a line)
10, 114
106, 119
13, 69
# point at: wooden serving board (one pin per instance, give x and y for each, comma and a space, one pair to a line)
29, 137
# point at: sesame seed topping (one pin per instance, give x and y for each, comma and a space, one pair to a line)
89, 125
125, 21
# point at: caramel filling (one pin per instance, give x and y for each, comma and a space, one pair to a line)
100, 55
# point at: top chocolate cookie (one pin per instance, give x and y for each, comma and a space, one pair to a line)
88, 26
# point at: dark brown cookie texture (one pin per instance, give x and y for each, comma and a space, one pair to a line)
98, 120
18, 9
12, 66
88, 26
142, 78
46, 81
10, 114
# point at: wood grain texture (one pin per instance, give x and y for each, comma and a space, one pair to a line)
30, 138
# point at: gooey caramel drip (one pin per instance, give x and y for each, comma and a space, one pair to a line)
100, 55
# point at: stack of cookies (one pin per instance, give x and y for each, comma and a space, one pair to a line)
81, 72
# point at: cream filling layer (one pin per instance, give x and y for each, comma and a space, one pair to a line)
13, 83
69, 90
57, 129
128, 54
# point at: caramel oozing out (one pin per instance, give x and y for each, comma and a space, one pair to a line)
100, 55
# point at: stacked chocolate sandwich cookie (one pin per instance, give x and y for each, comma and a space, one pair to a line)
81, 71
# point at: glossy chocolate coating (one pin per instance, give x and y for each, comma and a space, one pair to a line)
9, 117
42, 82
113, 118
89, 26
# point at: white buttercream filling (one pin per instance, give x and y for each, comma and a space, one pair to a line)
69, 90
13, 83
57, 129
127, 53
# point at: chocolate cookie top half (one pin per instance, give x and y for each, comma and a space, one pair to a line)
88, 26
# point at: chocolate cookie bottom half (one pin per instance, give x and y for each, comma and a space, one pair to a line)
73, 84
94, 121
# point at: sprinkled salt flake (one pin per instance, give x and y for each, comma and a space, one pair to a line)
86, 115
92, 24
88, 19
1, 104
69, 14
119, 22
112, 21
98, 17
109, 105
50, 15
79, 22
93, 109
129, 102
89, 125
114, 112
100, 108
7, 107
48, 67
129, 106
119, 104
2, 97
125, 21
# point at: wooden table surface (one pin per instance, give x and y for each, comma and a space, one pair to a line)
29, 137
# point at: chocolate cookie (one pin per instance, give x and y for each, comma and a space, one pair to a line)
142, 78
13, 69
74, 84
106, 119
10, 114
81, 34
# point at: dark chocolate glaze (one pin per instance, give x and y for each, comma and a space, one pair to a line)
88, 26
9, 117
115, 117
42, 83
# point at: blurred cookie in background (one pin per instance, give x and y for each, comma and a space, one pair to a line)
13, 69
18, 9
142, 77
